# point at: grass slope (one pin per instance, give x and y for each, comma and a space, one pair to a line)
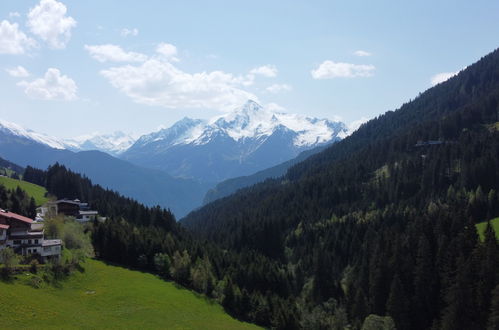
33, 190
483, 225
107, 296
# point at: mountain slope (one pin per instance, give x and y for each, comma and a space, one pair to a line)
87, 297
151, 187
383, 221
230, 186
242, 142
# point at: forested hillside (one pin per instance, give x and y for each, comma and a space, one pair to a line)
383, 221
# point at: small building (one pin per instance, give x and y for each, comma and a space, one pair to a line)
65, 206
74, 208
85, 216
26, 237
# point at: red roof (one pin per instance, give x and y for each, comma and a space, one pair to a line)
15, 216
4, 226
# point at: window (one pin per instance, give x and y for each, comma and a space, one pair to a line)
36, 241
29, 251
29, 241
17, 242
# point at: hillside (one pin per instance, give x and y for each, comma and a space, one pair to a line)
230, 186
483, 225
96, 298
33, 190
9, 168
383, 221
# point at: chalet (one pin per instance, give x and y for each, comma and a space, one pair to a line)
26, 237
74, 208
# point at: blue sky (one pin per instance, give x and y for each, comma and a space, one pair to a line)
74, 67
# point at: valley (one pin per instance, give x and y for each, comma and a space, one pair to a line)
249, 165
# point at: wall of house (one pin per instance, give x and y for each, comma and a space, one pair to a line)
50, 250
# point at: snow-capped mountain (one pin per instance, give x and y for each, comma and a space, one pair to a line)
16, 130
114, 143
241, 142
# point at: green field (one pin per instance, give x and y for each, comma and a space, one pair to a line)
483, 225
107, 296
33, 190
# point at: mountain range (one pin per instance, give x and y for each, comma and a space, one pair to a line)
151, 187
175, 167
249, 139
114, 143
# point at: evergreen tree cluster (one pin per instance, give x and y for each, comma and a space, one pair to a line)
17, 201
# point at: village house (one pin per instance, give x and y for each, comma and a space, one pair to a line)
26, 237
74, 208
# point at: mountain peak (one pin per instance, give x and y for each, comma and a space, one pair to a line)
17, 130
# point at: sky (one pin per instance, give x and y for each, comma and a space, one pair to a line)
72, 67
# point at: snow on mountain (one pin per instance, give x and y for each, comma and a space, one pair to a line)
114, 143
16, 130
250, 121
246, 140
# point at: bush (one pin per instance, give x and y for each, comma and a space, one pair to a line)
36, 282
33, 266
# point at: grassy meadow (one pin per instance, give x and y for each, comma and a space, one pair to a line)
483, 225
105, 296
33, 190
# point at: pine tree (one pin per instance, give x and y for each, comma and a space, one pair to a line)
397, 305
493, 323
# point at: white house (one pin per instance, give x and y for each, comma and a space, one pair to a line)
26, 237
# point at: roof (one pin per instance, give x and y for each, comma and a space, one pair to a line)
15, 216
89, 212
4, 226
67, 201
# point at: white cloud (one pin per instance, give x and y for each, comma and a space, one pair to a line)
48, 21
361, 53
18, 72
441, 77
269, 71
14, 14
169, 51
53, 86
127, 32
330, 69
13, 40
113, 53
160, 83
277, 88
274, 107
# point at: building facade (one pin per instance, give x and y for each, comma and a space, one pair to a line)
26, 237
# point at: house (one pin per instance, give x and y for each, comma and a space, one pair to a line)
26, 237
74, 208
65, 206
84, 216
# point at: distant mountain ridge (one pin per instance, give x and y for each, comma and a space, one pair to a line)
242, 142
114, 143
151, 187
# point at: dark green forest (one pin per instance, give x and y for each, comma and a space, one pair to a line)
381, 223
